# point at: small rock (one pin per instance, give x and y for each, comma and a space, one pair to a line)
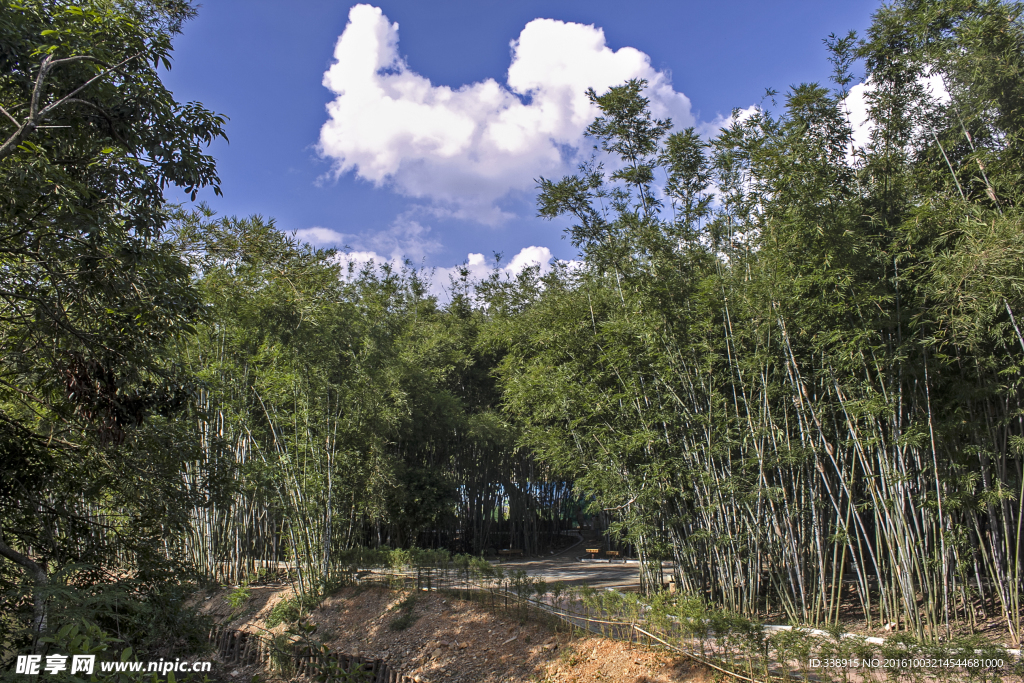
437, 653
463, 646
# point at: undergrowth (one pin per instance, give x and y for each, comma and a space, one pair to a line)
407, 616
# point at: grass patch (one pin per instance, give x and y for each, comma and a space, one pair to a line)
570, 656
238, 597
281, 658
407, 616
284, 612
290, 610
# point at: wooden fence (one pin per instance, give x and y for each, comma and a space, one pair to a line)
770, 661
242, 648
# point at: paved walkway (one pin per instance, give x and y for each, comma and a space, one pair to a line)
566, 566
571, 571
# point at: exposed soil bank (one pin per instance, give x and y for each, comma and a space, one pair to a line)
455, 641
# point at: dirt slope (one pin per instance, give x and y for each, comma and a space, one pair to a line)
454, 641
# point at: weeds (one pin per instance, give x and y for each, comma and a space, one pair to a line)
281, 658
238, 597
285, 612
570, 656
407, 617
290, 610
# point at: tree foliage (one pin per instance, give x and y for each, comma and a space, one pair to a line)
91, 292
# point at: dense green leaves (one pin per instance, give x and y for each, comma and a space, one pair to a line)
91, 293
348, 406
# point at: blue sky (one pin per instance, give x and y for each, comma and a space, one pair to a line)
438, 127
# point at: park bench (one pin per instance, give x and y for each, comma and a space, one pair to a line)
508, 552
593, 552
612, 554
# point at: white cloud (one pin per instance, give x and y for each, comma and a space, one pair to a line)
935, 86
476, 266
464, 149
857, 106
479, 267
353, 261
405, 239
860, 121
530, 256
711, 128
320, 236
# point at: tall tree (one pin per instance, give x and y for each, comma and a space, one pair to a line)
90, 290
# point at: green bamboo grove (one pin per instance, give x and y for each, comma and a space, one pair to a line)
786, 366
344, 408
792, 366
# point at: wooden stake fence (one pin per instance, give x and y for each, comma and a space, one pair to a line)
242, 648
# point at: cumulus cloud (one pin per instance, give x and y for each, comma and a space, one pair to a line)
320, 236
857, 110
466, 148
408, 240
857, 106
353, 261
439, 279
405, 239
710, 129
529, 257
479, 267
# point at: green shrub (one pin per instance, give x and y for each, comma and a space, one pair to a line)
285, 612
238, 597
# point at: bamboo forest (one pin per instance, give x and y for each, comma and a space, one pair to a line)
785, 371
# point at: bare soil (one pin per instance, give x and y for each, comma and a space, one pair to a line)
455, 641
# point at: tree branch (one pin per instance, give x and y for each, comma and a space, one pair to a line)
624, 505
8, 115
39, 578
37, 115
